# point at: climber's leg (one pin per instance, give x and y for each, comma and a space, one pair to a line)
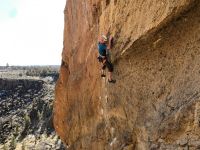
109, 65
103, 73
109, 76
103, 70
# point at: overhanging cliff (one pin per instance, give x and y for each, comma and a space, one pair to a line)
155, 103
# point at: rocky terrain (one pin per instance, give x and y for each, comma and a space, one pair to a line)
155, 102
26, 104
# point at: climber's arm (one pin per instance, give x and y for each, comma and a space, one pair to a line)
110, 43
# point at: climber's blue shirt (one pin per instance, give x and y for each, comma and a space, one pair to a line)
102, 49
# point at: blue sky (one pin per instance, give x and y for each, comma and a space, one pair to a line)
31, 32
8, 9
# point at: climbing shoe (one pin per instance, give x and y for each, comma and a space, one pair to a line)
103, 75
112, 81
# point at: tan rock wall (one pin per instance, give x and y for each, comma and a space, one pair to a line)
155, 102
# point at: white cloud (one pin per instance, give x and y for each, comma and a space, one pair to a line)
35, 35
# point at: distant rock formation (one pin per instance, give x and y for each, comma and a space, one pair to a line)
26, 112
155, 102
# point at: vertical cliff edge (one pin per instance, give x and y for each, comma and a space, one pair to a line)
155, 103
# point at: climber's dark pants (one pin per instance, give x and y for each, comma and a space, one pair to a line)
109, 65
106, 63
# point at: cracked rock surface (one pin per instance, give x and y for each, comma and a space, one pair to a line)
155, 103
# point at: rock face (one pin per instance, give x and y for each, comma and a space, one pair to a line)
155, 103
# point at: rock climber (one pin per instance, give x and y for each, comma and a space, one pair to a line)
103, 47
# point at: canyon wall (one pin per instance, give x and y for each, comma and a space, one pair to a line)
155, 103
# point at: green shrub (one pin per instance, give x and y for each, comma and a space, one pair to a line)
27, 120
13, 144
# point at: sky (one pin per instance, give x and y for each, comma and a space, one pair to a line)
31, 32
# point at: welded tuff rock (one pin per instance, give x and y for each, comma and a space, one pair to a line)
155, 103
